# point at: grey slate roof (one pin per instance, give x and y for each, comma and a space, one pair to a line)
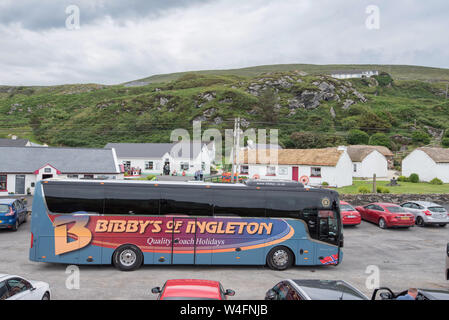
156, 150
66, 160
13, 142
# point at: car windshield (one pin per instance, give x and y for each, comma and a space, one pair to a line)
346, 207
4, 208
325, 290
437, 209
396, 209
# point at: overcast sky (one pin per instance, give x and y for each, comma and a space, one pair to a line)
119, 41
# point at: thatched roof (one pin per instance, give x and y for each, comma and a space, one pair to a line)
439, 155
359, 152
313, 157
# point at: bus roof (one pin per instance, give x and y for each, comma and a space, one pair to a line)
252, 184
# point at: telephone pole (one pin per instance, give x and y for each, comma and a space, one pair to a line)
236, 149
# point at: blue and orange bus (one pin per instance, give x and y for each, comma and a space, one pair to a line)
130, 223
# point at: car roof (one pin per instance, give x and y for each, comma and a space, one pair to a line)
192, 288
386, 204
7, 200
328, 289
426, 203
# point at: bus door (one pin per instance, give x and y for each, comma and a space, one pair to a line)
183, 240
327, 232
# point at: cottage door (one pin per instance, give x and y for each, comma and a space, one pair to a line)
295, 173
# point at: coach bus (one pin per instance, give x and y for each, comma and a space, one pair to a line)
130, 223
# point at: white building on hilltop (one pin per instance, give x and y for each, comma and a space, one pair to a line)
354, 74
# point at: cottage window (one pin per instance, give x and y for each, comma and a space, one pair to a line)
3, 182
72, 176
47, 170
283, 171
271, 171
185, 166
315, 172
149, 165
203, 166
355, 167
244, 169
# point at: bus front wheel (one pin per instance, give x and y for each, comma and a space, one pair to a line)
280, 258
127, 257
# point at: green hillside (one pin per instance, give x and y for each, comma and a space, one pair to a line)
398, 72
310, 110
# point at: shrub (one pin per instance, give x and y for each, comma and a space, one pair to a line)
436, 181
403, 179
385, 190
363, 190
445, 142
380, 139
324, 183
420, 137
379, 189
414, 178
357, 137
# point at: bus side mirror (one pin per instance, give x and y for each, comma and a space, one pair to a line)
156, 290
230, 293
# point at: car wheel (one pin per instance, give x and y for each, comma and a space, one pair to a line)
280, 258
442, 225
382, 223
127, 257
16, 225
46, 296
419, 221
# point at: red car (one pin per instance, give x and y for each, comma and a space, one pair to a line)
387, 215
190, 289
349, 215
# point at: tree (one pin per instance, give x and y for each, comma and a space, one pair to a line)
357, 137
380, 139
445, 142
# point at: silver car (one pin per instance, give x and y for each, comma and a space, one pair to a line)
427, 213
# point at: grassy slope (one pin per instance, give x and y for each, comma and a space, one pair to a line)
405, 187
92, 115
399, 72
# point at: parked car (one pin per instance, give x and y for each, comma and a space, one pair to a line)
423, 294
17, 288
427, 213
314, 290
191, 289
349, 215
447, 262
387, 215
13, 212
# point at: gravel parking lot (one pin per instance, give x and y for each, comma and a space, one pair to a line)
406, 258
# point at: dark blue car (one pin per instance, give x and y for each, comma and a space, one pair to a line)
13, 212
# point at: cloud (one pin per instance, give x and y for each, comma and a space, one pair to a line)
125, 40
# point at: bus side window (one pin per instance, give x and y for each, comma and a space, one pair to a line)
237, 203
282, 205
74, 198
310, 216
131, 200
191, 202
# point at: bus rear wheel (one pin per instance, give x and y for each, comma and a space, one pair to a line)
127, 257
280, 258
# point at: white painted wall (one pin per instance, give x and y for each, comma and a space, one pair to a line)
338, 176
420, 163
374, 163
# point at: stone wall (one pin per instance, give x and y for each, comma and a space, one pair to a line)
362, 199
